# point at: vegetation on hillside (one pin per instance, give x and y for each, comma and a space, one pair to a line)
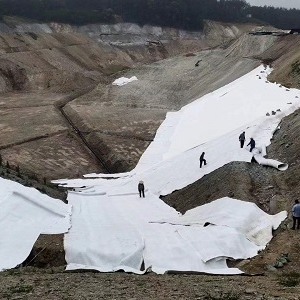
186, 14
27, 178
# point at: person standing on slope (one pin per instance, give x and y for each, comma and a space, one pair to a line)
202, 160
242, 139
296, 215
141, 189
252, 144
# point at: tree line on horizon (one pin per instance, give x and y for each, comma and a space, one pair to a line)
183, 14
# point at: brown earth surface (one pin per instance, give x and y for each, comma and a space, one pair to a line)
59, 81
43, 75
55, 284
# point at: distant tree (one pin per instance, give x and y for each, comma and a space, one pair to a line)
278, 17
185, 14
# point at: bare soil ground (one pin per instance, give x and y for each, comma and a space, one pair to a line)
54, 284
36, 136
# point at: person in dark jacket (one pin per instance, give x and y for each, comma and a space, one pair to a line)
141, 189
242, 139
296, 214
252, 144
197, 63
202, 160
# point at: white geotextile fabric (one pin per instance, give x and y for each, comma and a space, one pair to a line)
246, 217
26, 213
124, 80
270, 162
221, 116
110, 233
211, 124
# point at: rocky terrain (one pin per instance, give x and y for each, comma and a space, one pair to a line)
61, 117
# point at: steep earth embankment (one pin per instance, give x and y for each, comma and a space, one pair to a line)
61, 57
126, 118
270, 189
256, 182
45, 66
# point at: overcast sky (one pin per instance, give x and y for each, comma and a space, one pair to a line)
276, 3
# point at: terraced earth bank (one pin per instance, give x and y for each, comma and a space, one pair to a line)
60, 117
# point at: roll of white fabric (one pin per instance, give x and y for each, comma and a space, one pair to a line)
271, 162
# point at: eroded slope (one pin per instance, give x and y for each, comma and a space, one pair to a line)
45, 66
136, 110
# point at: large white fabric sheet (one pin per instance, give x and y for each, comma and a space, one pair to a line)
211, 124
245, 217
103, 240
171, 162
26, 213
123, 234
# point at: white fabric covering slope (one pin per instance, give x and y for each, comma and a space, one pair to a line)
239, 106
211, 124
26, 213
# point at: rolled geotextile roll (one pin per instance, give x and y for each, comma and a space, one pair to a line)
271, 162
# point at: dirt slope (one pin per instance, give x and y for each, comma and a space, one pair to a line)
132, 113
45, 66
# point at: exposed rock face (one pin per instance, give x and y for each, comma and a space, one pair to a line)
128, 33
43, 52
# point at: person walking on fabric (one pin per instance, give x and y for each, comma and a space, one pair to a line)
202, 160
141, 189
242, 139
252, 144
296, 214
